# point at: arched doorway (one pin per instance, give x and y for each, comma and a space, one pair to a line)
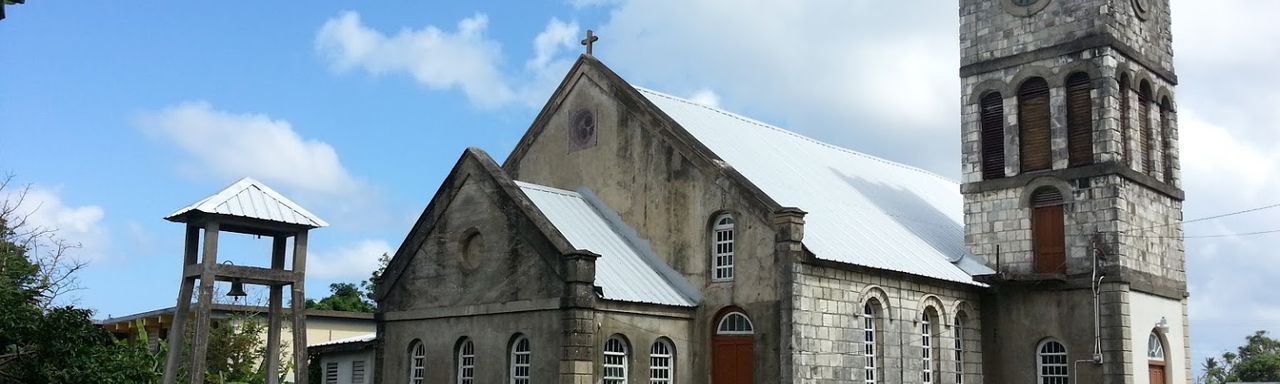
732, 355
1157, 367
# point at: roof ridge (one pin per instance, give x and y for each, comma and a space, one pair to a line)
795, 134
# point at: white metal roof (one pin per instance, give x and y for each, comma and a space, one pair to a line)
627, 269
352, 339
252, 199
862, 209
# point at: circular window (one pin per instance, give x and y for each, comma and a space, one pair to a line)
1141, 8
1023, 8
472, 250
582, 129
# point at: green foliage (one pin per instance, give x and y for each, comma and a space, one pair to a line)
1256, 361
343, 297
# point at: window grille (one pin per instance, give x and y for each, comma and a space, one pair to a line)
661, 358
1052, 363
722, 251
520, 361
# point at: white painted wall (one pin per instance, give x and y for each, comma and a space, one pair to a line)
1144, 312
344, 360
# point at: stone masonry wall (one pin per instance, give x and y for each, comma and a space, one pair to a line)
827, 333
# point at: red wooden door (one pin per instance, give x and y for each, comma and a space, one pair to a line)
732, 361
1049, 239
1156, 370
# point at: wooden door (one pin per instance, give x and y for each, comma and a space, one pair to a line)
732, 360
1156, 372
1049, 239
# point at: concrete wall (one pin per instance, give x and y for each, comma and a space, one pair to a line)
641, 327
344, 360
1147, 310
828, 329
492, 335
645, 171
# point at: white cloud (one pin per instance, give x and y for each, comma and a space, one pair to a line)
466, 59
233, 145
706, 97
590, 3
355, 261
44, 209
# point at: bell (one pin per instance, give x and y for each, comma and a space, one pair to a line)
237, 289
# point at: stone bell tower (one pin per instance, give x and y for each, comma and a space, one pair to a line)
1072, 191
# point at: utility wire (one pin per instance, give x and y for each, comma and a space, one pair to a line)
1213, 217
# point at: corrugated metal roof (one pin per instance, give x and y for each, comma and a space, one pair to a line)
626, 269
252, 199
352, 339
862, 209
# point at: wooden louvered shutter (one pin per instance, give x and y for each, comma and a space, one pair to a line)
1166, 143
1144, 125
1079, 121
1033, 126
1048, 232
992, 136
1127, 155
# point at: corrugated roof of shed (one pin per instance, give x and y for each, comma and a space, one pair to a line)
626, 271
862, 209
252, 199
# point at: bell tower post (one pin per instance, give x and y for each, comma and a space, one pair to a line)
1072, 189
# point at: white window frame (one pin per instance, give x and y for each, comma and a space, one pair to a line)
521, 357
1052, 372
723, 248
615, 361
869, 343
926, 348
958, 329
743, 327
417, 362
662, 356
466, 362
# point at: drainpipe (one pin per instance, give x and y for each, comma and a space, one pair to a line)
1095, 285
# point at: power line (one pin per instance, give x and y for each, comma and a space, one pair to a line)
1213, 217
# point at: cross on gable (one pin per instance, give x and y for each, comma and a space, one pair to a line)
590, 40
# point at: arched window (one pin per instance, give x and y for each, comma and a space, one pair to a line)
417, 362
1079, 120
992, 127
1125, 116
1144, 126
1051, 363
661, 359
722, 248
1034, 136
615, 360
1166, 139
520, 359
958, 329
1155, 348
1048, 233
466, 362
734, 323
928, 345
1156, 361
870, 341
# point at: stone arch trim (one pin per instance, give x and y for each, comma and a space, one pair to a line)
980, 90
1030, 71
931, 300
1063, 187
1161, 95
875, 292
963, 306
1123, 73
1141, 75
1086, 67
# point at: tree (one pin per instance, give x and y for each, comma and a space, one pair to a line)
370, 285
343, 297
41, 341
1256, 361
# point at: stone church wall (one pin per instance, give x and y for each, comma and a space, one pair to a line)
640, 327
827, 333
492, 335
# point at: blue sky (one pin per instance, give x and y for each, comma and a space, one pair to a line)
119, 115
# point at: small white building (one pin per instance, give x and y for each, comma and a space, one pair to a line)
345, 361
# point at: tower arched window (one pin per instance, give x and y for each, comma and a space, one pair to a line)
1048, 232
1125, 116
992, 126
417, 362
466, 362
661, 362
1051, 363
1166, 139
1079, 120
521, 355
928, 346
722, 249
871, 341
1157, 364
1144, 127
616, 359
1035, 151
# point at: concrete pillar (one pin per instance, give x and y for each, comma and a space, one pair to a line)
788, 223
578, 336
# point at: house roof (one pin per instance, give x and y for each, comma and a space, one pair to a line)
353, 339
251, 199
862, 209
627, 269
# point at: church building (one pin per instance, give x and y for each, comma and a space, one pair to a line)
637, 237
